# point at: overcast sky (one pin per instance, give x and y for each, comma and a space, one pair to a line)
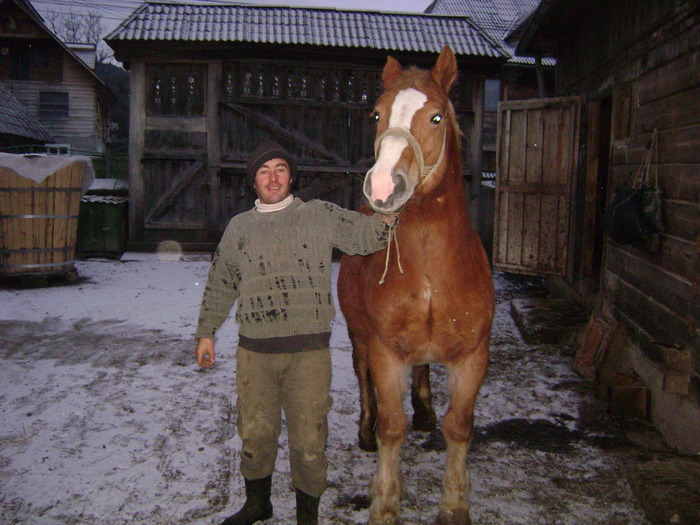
114, 11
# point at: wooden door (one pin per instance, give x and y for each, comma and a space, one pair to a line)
170, 191
537, 159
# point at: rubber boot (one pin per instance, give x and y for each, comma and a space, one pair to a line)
307, 508
257, 506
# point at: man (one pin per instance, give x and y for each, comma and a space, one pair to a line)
276, 261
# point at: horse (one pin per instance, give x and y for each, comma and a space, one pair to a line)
435, 303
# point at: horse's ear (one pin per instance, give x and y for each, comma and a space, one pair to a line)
444, 71
392, 69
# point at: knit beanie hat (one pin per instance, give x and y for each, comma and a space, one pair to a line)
263, 153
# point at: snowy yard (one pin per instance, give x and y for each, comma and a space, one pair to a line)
105, 417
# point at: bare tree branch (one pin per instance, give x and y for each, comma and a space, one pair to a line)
74, 27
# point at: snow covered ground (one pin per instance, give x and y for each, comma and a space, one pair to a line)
105, 418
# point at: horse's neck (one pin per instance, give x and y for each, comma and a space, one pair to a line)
445, 203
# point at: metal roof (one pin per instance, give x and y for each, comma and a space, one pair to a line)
497, 18
85, 52
16, 120
165, 22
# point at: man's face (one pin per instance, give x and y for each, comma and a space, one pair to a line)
273, 181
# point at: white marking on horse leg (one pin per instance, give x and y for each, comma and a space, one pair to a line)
405, 106
391, 432
386, 490
455, 483
458, 428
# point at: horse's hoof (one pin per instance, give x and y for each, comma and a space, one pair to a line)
458, 517
386, 520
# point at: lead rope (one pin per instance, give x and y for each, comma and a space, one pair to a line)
392, 234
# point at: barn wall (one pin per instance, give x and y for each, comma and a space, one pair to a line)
643, 59
194, 122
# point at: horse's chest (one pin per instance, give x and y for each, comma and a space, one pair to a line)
425, 303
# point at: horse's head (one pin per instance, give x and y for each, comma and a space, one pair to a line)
414, 121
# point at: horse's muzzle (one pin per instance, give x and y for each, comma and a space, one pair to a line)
402, 190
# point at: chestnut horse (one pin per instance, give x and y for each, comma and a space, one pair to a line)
435, 303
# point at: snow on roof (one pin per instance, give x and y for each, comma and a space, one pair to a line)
16, 120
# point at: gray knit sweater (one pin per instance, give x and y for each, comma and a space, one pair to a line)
278, 266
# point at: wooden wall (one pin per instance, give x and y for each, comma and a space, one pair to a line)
643, 58
48, 67
195, 121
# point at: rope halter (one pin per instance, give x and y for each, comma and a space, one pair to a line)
425, 173
403, 133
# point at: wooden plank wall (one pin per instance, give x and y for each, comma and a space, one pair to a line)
649, 64
81, 129
636, 66
218, 111
657, 293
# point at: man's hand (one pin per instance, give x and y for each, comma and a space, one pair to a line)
205, 352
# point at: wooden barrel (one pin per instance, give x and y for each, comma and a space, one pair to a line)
39, 221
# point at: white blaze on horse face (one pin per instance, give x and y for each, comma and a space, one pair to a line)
405, 106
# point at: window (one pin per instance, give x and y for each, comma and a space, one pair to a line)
176, 90
20, 59
53, 104
492, 94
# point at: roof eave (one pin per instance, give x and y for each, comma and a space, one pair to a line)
531, 42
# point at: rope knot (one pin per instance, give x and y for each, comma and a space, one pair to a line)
392, 235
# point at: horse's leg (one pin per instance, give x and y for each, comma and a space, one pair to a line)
458, 425
368, 400
390, 380
421, 400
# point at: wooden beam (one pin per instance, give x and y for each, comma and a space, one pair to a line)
213, 129
277, 129
137, 124
187, 124
176, 187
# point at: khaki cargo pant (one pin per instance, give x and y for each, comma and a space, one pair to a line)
299, 384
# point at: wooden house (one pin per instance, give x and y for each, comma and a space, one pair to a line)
210, 82
51, 82
628, 88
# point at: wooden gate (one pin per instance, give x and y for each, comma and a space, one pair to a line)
169, 187
537, 159
319, 112
203, 118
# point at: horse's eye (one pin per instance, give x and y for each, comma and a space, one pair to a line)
374, 116
436, 119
